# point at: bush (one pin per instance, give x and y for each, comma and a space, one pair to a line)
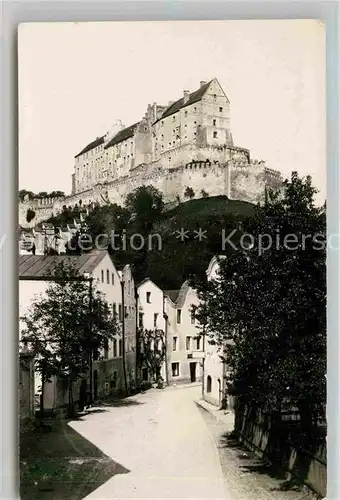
30, 215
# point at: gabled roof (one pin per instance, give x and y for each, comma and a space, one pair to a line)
123, 135
93, 144
172, 294
37, 267
215, 260
193, 97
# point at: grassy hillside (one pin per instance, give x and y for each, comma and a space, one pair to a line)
166, 258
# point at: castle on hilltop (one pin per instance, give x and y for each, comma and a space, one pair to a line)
187, 143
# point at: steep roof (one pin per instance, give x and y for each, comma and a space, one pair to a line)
193, 97
172, 294
40, 266
93, 144
123, 135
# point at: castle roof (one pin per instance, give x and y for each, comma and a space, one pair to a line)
181, 103
123, 135
93, 144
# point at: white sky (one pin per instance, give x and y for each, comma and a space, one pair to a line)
77, 79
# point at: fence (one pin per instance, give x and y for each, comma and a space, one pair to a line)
282, 443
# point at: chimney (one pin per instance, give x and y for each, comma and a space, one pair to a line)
202, 82
186, 95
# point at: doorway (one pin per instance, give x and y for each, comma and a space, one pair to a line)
193, 372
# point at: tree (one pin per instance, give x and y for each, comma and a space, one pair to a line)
145, 204
30, 215
204, 194
66, 326
189, 193
267, 309
152, 351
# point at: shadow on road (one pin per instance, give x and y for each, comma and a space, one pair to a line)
249, 463
62, 465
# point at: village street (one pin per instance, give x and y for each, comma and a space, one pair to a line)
169, 447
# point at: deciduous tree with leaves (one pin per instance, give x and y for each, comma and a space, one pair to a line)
152, 352
267, 308
66, 325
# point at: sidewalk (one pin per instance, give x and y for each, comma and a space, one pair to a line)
226, 417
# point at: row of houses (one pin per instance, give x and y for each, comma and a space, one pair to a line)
189, 358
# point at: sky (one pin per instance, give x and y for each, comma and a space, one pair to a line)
77, 79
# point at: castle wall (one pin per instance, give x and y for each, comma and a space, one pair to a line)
238, 180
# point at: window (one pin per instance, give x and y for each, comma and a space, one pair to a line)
188, 343
179, 314
113, 278
120, 350
148, 297
175, 369
114, 348
198, 343
208, 383
185, 113
215, 135
220, 109
120, 315
106, 349
155, 316
215, 96
192, 317
125, 312
195, 109
140, 321
214, 122
102, 276
174, 343
107, 276
114, 310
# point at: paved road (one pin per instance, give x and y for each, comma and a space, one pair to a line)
163, 440
174, 449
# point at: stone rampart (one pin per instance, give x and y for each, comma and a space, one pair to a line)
236, 178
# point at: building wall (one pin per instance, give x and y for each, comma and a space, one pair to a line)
106, 280
213, 367
182, 351
148, 310
130, 324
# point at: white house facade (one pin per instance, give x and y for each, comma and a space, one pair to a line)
98, 268
185, 344
214, 368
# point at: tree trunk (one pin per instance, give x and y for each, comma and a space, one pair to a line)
70, 399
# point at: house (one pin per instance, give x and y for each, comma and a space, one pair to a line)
98, 268
214, 369
185, 344
151, 316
